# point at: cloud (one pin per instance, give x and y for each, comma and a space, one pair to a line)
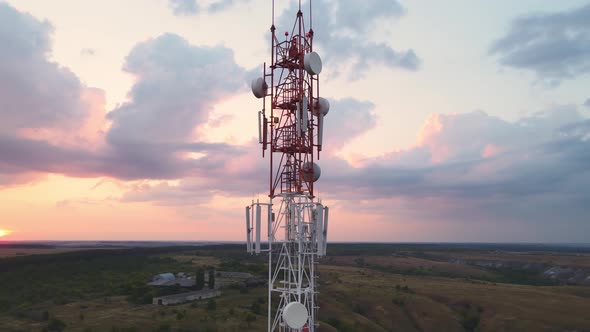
184, 7
510, 181
21, 155
193, 7
342, 30
556, 46
34, 91
448, 145
347, 119
163, 193
33, 37
468, 169
353, 16
177, 86
474, 154
41, 102
222, 5
52, 123
473, 175
245, 172
128, 162
464, 156
8, 179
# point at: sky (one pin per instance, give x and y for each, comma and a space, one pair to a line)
454, 121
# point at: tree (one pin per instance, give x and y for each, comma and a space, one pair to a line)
200, 279
211, 279
250, 318
211, 304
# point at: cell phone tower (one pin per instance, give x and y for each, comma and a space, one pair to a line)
290, 125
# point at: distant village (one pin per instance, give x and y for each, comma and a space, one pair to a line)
206, 284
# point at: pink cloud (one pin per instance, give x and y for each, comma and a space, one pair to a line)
491, 150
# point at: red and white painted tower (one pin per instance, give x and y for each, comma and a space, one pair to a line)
291, 132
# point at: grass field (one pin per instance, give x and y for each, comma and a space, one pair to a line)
409, 265
112, 313
11, 252
575, 260
103, 290
446, 304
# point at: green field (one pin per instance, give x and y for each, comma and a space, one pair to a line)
362, 288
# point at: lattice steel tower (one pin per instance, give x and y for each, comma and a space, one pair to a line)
290, 124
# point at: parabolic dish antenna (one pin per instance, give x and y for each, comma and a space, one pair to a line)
259, 87
322, 106
310, 171
312, 63
295, 315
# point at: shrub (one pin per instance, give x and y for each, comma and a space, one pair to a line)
56, 325
470, 317
164, 327
399, 301
124, 329
256, 308
470, 321
250, 318
360, 309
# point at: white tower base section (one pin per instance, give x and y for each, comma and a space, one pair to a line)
295, 239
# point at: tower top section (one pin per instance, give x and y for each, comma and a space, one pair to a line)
292, 117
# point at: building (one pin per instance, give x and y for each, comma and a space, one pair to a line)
255, 282
168, 279
163, 276
186, 297
185, 282
226, 274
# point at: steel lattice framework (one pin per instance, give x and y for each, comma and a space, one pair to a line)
291, 127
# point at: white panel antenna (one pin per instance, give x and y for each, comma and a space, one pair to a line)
257, 228
248, 231
325, 230
260, 127
319, 228
321, 130
304, 125
298, 119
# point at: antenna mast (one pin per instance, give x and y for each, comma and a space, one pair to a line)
290, 125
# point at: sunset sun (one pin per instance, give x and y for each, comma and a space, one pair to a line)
4, 232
